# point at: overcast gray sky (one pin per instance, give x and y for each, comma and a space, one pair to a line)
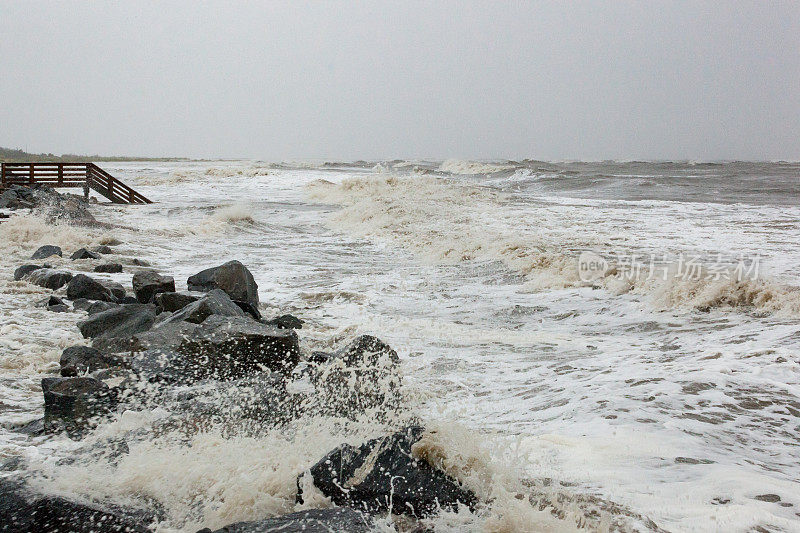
289, 80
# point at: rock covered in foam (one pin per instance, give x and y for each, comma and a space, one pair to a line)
50, 278
363, 376
384, 475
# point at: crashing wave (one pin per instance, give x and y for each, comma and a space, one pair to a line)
445, 222
466, 167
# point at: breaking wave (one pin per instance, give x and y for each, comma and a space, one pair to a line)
446, 222
457, 166
177, 177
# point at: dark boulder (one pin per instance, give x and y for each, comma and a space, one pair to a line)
175, 301
140, 262
339, 520
233, 278
286, 322
81, 304
47, 251
75, 403
222, 347
148, 283
9, 199
122, 321
128, 300
83, 253
23, 511
50, 301
164, 338
102, 249
78, 360
50, 278
383, 475
116, 289
54, 304
109, 268
98, 307
215, 302
82, 286
24, 270
239, 345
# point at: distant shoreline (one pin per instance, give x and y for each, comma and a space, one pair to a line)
10, 155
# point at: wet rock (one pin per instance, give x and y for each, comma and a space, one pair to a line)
109, 268
102, 249
98, 307
286, 322
148, 283
164, 338
116, 289
340, 520
75, 403
215, 302
83, 253
128, 300
79, 360
23, 511
81, 304
51, 300
261, 398
10, 200
222, 347
82, 286
233, 278
50, 278
363, 376
47, 251
122, 321
54, 304
140, 262
384, 475
770, 498
175, 301
24, 270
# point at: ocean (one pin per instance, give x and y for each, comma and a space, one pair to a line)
609, 346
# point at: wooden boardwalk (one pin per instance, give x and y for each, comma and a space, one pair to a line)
70, 175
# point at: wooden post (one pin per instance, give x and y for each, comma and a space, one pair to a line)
61, 174
3, 176
30, 175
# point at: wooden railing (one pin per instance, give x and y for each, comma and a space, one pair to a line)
78, 175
